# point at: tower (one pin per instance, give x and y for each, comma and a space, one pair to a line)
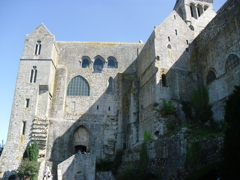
32, 97
196, 13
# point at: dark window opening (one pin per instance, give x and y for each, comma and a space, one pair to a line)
164, 80
187, 42
187, 50
85, 63
109, 108
232, 62
97, 107
191, 9
112, 63
211, 76
35, 76
169, 46
80, 149
38, 48
31, 76
27, 103
110, 85
176, 32
24, 127
98, 65
169, 39
198, 10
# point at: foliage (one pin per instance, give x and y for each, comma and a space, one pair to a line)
167, 108
202, 109
208, 172
147, 135
31, 152
28, 169
187, 109
111, 165
140, 172
1, 148
29, 165
229, 168
193, 153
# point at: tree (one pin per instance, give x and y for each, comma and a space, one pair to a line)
29, 165
229, 168
1, 148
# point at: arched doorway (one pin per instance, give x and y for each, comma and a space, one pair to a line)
81, 140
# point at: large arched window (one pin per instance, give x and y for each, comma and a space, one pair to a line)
112, 63
85, 63
211, 76
98, 65
78, 86
232, 61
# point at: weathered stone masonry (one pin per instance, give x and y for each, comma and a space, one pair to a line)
98, 96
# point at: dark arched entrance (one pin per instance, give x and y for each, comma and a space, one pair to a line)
80, 148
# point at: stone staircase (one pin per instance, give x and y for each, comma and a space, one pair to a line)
39, 134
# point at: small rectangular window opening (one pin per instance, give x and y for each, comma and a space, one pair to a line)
187, 42
27, 103
109, 108
176, 32
169, 38
97, 107
23, 127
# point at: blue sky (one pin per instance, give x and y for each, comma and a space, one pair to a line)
71, 20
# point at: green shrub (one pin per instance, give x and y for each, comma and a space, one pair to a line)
193, 153
147, 135
28, 169
31, 152
229, 168
167, 108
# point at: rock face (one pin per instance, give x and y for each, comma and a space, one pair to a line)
98, 97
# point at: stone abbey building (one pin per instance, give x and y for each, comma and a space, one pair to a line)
98, 97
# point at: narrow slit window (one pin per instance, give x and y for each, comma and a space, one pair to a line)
199, 12
109, 108
191, 9
164, 80
38, 48
35, 76
23, 127
110, 85
187, 42
169, 39
27, 103
176, 32
31, 76
97, 107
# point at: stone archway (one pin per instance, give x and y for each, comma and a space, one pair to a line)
81, 139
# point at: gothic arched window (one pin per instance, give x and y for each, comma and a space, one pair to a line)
232, 61
78, 86
112, 63
211, 76
85, 63
98, 65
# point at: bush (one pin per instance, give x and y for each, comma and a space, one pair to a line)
28, 169
167, 108
31, 152
229, 168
